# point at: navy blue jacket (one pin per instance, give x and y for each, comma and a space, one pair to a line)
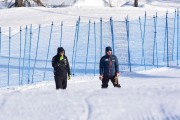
109, 66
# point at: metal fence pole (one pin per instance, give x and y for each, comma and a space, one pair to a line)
76, 45
87, 50
178, 37
72, 61
95, 48
144, 40
157, 61
167, 39
112, 34
20, 44
155, 40
37, 46
9, 56
29, 67
174, 31
129, 54
48, 50
143, 60
141, 39
100, 37
24, 55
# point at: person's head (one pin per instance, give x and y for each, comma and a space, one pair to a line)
60, 51
108, 51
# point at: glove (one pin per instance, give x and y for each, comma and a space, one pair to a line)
100, 77
116, 80
69, 77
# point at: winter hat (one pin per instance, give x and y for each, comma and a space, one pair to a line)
60, 49
108, 49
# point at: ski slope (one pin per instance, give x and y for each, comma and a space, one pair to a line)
145, 95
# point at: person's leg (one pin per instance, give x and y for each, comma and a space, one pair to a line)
64, 83
58, 81
55, 79
105, 81
115, 82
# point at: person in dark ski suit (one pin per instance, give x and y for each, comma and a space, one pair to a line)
109, 69
61, 69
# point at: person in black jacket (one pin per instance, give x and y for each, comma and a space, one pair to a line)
61, 69
109, 69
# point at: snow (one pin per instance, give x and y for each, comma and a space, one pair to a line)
152, 94
145, 95
94, 3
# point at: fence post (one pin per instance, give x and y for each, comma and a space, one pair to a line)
76, 45
155, 40
100, 37
20, 44
129, 55
48, 50
112, 33
143, 40
9, 55
87, 50
143, 60
167, 39
154, 37
29, 67
157, 47
72, 61
95, 48
178, 36
174, 35
37, 46
61, 34
24, 55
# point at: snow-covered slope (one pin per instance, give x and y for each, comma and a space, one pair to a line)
145, 95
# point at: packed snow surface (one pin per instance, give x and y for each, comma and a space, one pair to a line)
145, 95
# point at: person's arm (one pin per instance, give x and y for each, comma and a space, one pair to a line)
68, 67
116, 66
54, 64
101, 69
101, 66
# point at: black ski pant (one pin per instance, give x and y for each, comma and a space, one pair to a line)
61, 82
105, 82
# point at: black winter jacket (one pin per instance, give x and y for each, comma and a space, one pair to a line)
61, 68
109, 66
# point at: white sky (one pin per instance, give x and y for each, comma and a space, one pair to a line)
145, 95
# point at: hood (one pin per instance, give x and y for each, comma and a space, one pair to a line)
60, 49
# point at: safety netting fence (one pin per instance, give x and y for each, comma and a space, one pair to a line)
141, 44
